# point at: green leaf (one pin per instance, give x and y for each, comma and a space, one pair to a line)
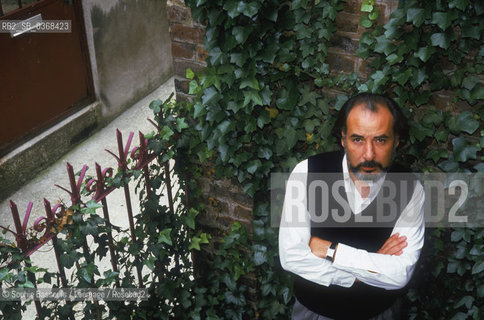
249, 82
156, 105
181, 124
367, 5
232, 8
394, 58
424, 53
384, 45
210, 95
189, 74
449, 166
254, 165
478, 267
165, 236
467, 301
241, 33
440, 40
265, 153
249, 9
477, 93
462, 151
252, 95
402, 77
365, 21
463, 122
442, 19
260, 254
416, 16
459, 4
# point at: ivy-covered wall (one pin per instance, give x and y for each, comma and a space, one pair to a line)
265, 91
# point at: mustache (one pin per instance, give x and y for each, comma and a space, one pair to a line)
368, 164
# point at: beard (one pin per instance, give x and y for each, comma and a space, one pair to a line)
368, 176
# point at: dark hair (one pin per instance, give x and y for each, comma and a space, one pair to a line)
370, 100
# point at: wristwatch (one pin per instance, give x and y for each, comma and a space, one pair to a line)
330, 252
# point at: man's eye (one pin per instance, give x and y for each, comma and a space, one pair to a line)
356, 139
381, 140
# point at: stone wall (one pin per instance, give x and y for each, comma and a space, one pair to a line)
129, 48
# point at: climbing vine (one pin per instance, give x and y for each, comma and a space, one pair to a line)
266, 101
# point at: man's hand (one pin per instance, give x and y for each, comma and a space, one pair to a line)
319, 246
394, 245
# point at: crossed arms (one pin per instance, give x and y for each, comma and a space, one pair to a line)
390, 267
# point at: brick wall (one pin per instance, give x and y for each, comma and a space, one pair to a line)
187, 38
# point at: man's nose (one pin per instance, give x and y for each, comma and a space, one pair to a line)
369, 151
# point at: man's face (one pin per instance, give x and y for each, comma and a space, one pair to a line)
369, 142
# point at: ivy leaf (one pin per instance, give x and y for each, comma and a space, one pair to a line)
210, 95
416, 16
440, 40
380, 78
249, 9
232, 8
424, 53
394, 58
384, 45
420, 132
189, 74
265, 153
165, 236
251, 83
402, 77
463, 122
365, 21
441, 135
241, 33
252, 95
463, 151
181, 124
260, 254
478, 267
253, 166
287, 99
442, 19
367, 5
477, 93
449, 165
459, 4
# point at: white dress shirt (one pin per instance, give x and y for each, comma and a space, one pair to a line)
379, 270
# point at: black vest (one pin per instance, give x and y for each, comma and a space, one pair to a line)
360, 301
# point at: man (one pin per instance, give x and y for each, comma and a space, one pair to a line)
343, 270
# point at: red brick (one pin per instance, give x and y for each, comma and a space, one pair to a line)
243, 212
180, 67
187, 34
178, 14
364, 69
183, 86
340, 63
347, 22
182, 50
352, 6
346, 44
202, 54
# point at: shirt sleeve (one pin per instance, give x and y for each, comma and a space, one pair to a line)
294, 236
385, 271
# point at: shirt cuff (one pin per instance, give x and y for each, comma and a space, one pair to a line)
345, 256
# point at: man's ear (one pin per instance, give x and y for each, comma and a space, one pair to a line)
397, 142
343, 137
